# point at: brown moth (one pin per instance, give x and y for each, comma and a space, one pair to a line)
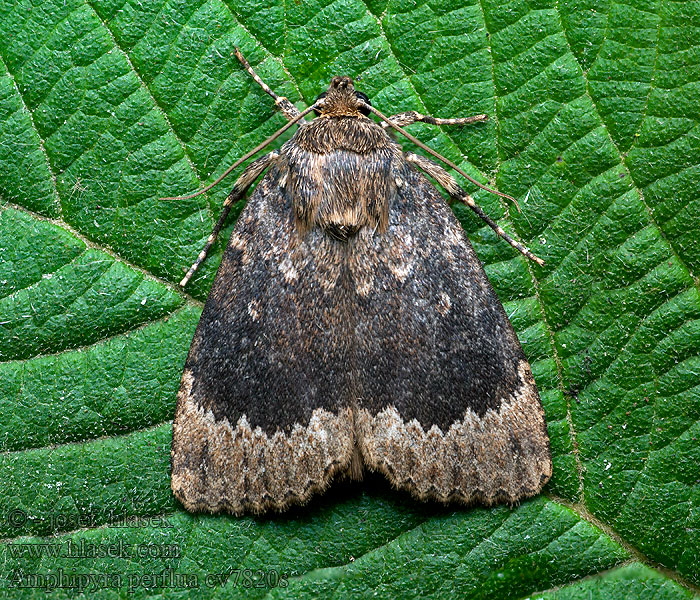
351, 326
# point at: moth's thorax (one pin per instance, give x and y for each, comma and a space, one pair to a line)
355, 133
339, 172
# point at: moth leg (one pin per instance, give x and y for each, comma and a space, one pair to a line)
288, 109
252, 172
411, 116
457, 193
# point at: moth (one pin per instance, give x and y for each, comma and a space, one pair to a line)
351, 327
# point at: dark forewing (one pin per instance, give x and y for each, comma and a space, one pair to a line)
263, 418
448, 407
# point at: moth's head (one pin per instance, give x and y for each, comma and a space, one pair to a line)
342, 100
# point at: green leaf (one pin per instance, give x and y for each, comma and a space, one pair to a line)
105, 107
626, 583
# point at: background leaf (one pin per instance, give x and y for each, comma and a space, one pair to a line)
595, 126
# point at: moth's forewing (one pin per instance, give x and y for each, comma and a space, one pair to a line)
263, 416
449, 409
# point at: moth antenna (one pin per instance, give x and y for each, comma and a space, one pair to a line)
288, 109
439, 156
246, 156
